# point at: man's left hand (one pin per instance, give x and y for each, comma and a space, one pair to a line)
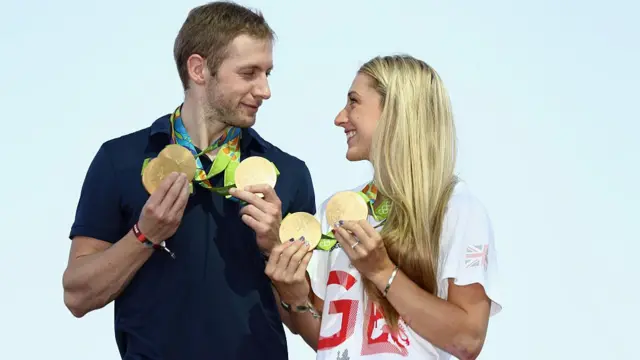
262, 214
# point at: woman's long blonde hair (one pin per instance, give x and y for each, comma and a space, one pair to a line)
413, 153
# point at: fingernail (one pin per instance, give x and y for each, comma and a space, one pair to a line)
291, 240
306, 243
333, 231
301, 238
341, 222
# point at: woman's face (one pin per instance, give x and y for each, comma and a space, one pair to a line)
360, 117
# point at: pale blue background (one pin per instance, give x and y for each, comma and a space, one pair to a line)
545, 96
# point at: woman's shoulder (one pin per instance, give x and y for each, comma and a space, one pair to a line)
466, 221
464, 203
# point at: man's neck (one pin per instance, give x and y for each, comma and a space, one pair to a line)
202, 131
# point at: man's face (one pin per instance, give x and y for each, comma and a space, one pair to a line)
236, 91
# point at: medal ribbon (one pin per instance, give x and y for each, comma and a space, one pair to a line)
370, 192
227, 159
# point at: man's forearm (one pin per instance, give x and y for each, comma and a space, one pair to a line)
92, 281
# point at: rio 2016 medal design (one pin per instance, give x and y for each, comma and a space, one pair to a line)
347, 206
182, 157
298, 224
155, 171
173, 158
255, 170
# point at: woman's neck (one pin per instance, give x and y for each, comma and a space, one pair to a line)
379, 199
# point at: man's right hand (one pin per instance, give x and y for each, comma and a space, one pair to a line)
162, 214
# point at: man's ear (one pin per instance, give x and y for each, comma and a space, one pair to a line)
197, 69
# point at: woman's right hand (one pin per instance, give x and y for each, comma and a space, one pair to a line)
287, 269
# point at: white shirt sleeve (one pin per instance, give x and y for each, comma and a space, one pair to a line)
318, 270
319, 265
468, 253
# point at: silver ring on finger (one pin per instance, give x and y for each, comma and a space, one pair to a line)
356, 244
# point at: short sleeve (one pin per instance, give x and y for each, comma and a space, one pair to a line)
318, 270
320, 263
468, 249
305, 199
98, 212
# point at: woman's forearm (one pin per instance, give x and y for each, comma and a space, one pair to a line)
303, 323
307, 326
440, 322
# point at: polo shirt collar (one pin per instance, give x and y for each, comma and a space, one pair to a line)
249, 136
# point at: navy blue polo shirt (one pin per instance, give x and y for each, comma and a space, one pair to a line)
213, 301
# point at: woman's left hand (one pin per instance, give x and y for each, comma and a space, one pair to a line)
365, 248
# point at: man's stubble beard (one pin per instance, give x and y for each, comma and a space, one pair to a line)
221, 110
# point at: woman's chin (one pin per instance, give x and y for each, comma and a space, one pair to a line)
355, 154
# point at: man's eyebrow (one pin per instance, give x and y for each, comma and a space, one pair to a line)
254, 67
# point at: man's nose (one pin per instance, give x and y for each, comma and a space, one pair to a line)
262, 89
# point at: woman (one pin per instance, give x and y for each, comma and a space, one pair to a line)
422, 286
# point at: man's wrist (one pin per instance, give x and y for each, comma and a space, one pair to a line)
272, 244
142, 238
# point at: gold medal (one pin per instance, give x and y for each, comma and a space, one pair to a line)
296, 225
347, 206
183, 158
255, 170
156, 170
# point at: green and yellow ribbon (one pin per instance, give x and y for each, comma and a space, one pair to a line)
369, 193
227, 159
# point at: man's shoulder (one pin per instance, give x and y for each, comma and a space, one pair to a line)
135, 141
126, 140
276, 154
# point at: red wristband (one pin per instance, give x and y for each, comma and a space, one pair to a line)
146, 242
139, 235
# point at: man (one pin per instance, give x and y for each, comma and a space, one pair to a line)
213, 300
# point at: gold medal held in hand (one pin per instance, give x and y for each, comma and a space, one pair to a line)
173, 158
255, 170
347, 206
182, 157
155, 171
298, 224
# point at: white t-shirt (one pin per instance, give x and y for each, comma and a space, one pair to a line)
353, 328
